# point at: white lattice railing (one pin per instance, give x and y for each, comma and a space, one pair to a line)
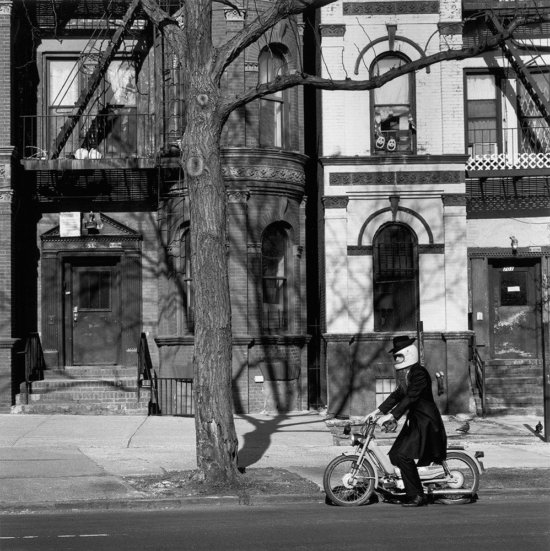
505, 161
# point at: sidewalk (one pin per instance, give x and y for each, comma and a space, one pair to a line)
48, 460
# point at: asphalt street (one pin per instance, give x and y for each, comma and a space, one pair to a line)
502, 523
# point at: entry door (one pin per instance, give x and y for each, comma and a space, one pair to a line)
515, 315
93, 312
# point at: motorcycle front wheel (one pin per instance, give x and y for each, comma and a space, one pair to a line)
347, 483
464, 476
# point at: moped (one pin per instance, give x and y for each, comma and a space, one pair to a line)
354, 478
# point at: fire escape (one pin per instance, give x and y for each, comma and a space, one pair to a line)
87, 125
526, 148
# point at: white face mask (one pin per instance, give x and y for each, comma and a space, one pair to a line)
405, 357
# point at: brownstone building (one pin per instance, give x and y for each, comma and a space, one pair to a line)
95, 264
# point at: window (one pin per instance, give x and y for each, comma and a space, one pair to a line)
384, 387
185, 281
395, 278
271, 64
534, 132
481, 106
108, 125
274, 278
393, 117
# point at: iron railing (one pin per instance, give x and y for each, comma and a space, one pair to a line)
117, 133
146, 376
176, 396
525, 147
34, 362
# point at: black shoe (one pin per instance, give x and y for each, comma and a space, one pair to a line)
416, 501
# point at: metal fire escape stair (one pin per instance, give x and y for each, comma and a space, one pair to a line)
513, 54
95, 79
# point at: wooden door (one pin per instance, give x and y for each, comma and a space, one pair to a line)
93, 312
515, 313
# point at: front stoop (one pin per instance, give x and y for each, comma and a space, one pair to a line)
85, 390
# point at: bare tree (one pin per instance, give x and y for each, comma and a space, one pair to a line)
189, 34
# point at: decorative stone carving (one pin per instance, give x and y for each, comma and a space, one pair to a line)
332, 30
335, 201
389, 8
5, 8
251, 66
6, 196
390, 178
266, 173
237, 195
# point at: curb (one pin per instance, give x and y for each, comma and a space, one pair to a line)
160, 504
157, 503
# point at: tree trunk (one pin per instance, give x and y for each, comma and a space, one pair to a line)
217, 443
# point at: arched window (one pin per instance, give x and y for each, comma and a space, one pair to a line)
395, 258
275, 278
393, 127
272, 63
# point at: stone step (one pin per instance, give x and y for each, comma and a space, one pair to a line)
73, 408
511, 372
49, 385
515, 400
516, 385
512, 410
91, 372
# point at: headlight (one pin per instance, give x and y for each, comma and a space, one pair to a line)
357, 439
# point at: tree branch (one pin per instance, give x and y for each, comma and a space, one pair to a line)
280, 10
284, 82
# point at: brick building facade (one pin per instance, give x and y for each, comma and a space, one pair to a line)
101, 254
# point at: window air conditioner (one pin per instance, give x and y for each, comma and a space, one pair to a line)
485, 148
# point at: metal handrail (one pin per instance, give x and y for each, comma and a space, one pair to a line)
34, 362
146, 372
479, 375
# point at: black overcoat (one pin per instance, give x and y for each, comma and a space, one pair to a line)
423, 435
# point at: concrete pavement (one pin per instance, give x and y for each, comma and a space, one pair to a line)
49, 461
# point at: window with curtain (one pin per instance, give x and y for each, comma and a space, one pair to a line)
274, 278
272, 63
393, 113
395, 286
482, 116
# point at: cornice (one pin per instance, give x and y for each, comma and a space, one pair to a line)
370, 160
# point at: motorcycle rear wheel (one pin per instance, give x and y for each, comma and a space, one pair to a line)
465, 476
348, 484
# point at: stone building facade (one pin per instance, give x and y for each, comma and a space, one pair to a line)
411, 243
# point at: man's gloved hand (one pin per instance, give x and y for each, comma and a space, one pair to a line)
385, 419
372, 415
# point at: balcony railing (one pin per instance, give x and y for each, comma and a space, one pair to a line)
523, 148
117, 134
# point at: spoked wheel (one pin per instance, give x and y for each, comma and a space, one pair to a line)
464, 476
348, 484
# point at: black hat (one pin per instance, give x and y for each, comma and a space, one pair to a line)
400, 342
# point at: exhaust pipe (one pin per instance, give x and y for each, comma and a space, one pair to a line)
451, 491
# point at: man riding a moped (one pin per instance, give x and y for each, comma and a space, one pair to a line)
423, 435
452, 476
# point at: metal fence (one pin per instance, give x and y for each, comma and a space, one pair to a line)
175, 396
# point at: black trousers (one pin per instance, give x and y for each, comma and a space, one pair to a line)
409, 473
